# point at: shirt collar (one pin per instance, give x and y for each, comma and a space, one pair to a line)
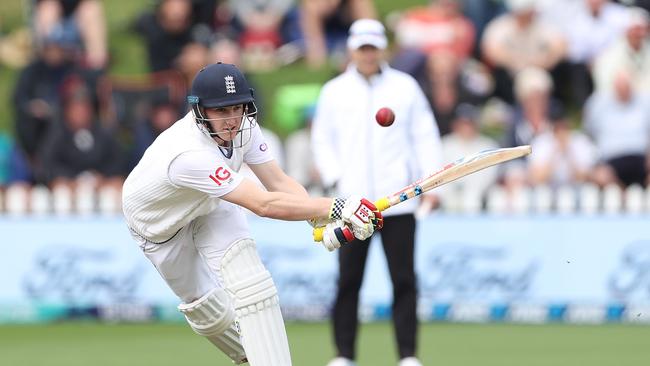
382, 71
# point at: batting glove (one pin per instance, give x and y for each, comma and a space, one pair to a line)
318, 222
336, 234
362, 215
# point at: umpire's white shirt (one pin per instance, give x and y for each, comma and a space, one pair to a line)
181, 177
352, 151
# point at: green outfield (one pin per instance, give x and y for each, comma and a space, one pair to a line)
74, 344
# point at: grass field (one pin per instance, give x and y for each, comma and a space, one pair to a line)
77, 344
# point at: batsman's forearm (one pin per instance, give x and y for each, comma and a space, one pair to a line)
291, 207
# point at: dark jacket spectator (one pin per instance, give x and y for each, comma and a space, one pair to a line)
35, 95
166, 31
79, 143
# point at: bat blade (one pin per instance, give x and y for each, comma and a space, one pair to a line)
453, 171
449, 173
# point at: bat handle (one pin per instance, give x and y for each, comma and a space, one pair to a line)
381, 204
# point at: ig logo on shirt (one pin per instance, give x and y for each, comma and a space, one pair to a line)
220, 175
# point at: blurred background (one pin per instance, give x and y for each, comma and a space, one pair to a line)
542, 261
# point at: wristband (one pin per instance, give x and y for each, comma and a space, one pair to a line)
337, 209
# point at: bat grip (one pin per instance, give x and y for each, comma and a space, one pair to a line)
381, 204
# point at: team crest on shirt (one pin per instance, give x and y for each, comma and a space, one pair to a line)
221, 175
230, 84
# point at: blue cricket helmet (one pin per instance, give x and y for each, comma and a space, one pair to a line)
222, 85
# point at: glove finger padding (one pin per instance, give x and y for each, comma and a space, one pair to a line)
378, 220
336, 234
363, 217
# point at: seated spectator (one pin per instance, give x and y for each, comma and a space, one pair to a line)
300, 161
439, 27
590, 26
79, 144
561, 156
166, 31
192, 58
36, 94
451, 82
480, 13
533, 89
82, 20
465, 139
14, 167
325, 25
619, 124
225, 49
631, 52
263, 26
517, 40
162, 114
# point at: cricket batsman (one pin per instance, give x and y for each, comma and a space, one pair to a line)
183, 205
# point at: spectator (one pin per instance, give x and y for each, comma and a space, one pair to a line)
225, 49
480, 13
353, 154
619, 123
465, 139
533, 88
190, 60
325, 25
438, 27
631, 52
590, 26
14, 167
517, 40
79, 144
166, 31
452, 82
161, 116
36, 94
263, 26
82, 20
561, 156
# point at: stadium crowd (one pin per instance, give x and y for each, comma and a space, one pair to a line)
569, 77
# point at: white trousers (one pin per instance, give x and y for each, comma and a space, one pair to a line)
190, 261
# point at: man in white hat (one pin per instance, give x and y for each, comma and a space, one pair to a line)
353, 153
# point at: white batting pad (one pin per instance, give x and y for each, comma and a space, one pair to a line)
213, 317
256, 304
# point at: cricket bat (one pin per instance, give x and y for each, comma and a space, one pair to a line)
449, 173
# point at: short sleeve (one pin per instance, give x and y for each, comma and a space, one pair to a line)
259, 149
204, 171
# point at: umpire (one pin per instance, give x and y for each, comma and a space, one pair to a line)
356, 155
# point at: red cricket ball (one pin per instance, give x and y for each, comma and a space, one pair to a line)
385, 117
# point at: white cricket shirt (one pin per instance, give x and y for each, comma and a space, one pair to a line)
181, 177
